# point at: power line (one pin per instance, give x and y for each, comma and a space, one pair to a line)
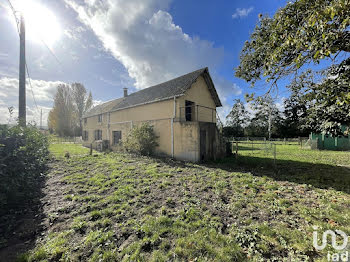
14, 15
31, 87
51, 52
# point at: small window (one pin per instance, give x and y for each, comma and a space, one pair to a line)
189, 110
98, 134
117, 136
85, 121
100, 118
85, 135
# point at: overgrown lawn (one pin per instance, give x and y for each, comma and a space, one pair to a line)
112, 207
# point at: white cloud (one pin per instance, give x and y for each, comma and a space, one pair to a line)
242, 12
143, 37
43, 91
226, 90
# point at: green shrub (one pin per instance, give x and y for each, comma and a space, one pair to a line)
23, 157
141, 140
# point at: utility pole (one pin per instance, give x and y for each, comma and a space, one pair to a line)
22, 75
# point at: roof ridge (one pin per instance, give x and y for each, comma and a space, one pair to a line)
202, 69
166, 90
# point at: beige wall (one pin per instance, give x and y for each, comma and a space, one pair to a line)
200, 95
160, 114
186, 141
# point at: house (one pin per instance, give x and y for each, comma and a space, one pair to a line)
182, 112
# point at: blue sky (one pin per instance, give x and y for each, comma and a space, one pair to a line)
111, 44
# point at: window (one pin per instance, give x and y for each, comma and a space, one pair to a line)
98, 134
85, 135
99, 118
117, 136
85, 121
189, 106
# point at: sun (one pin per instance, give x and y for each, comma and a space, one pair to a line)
41, 23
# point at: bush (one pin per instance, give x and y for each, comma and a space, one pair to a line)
141, 140
23, 156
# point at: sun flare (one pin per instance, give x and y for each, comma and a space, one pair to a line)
41, 23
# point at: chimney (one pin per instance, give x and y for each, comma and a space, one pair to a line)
125, 92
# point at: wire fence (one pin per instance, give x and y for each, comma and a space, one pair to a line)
282, 151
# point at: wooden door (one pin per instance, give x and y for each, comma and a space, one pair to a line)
203, 144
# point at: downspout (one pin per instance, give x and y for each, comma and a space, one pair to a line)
172, 129
108, 127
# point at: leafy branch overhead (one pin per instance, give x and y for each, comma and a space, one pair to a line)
303, 31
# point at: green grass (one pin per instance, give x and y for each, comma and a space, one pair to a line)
59, 150
123, 208
295, 153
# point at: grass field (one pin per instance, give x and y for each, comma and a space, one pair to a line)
112, 207
59, 150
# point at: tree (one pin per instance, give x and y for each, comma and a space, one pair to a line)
236, 120
303, 31
70, 103
328, 102
296, 106
267, 118
81, 100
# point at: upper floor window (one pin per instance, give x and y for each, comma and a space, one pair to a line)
189, 110
99, 118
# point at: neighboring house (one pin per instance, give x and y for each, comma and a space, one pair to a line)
182, 112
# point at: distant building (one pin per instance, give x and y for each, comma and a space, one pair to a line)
329, 142
182, 112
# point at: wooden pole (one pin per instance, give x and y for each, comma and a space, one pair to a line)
91, 149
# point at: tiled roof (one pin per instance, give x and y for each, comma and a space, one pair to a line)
167, 90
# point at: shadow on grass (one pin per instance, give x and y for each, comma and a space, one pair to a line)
20, 221
321, 176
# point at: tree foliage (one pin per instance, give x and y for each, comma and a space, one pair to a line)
303, 31
236, 120
266, 119
81, 100
70, 103
324, 106
141, 140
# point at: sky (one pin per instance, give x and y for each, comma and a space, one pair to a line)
110, 44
